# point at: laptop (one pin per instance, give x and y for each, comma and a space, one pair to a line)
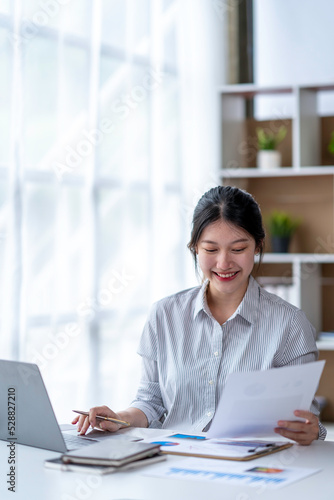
34, 424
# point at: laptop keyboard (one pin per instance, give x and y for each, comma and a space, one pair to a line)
74, 442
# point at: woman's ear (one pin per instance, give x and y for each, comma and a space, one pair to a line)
259, 248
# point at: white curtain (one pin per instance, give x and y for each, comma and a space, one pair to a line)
109, 130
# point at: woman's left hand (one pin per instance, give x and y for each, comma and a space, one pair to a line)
301, 432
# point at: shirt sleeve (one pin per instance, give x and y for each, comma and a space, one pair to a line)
322, 429
148, 398
300, 347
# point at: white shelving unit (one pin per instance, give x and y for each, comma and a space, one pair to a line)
305, 125
325, 345
239, 173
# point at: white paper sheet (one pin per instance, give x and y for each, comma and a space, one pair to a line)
237, 473
253, 402
211, 448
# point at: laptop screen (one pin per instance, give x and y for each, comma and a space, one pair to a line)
26, 413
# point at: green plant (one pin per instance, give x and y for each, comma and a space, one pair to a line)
282, 224
331, 144
267, 139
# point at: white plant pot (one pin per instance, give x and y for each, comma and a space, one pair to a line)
268, 159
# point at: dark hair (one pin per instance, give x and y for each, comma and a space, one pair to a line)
231, 205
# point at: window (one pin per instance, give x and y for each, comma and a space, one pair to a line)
92, 190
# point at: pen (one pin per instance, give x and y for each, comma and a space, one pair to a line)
262, 447
127, 424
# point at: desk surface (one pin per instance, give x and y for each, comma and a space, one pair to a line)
34, 481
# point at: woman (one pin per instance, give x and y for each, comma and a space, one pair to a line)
194, 339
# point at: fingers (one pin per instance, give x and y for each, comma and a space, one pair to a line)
84, 422
83, 425
308, 415
302, 432
103, 411
300, 437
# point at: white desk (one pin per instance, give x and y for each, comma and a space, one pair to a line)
35, 482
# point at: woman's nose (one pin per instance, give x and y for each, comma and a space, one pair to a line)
223, 260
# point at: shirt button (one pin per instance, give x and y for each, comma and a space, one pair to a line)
216, 353
209, 414
210, 382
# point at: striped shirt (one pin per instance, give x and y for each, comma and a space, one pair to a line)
187, 355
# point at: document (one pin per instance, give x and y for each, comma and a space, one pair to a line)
253, 402
236, 473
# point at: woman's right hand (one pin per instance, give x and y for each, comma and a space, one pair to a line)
84, 421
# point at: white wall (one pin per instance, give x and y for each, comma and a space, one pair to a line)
293, 44
294, 41
202, 71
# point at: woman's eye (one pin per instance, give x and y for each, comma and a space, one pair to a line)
209, 250
238, 250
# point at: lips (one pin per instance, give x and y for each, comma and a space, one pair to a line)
229, 275
226, 276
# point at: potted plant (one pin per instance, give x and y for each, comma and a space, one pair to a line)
268, 157
331, 144
281, 228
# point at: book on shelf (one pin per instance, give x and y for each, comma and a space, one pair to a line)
275, 285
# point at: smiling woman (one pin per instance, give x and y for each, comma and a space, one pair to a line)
194, 339
227, 232
226, 258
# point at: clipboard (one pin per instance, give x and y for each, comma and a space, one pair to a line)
240, 451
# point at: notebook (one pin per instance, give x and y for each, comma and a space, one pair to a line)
33, 422
58, 464
117, 455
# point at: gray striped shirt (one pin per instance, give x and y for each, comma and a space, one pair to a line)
187, 355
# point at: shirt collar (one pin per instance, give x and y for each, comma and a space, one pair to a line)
247, 308
200, 303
